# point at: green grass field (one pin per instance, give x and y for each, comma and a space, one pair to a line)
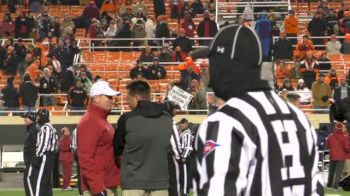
74, 193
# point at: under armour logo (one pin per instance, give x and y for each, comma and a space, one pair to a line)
209, 147
220, 49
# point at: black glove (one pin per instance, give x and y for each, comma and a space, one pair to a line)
36, 162
103, 193
324, 98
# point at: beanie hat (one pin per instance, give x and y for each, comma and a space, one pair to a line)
44, 116
235, 58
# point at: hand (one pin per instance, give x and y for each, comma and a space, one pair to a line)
103, 193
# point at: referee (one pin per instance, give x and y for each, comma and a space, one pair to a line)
42, 162
255, 144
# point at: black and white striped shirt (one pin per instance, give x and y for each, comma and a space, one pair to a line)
46, 140
181, 143
73, 144
186, 143
257, 144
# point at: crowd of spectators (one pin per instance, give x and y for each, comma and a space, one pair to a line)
50, 63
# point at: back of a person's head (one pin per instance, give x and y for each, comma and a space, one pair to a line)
139, 88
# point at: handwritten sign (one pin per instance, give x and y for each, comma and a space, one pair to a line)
179, 96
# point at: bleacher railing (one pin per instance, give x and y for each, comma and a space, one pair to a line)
221, 9
299, 38
26, 40
122, 105
106, 42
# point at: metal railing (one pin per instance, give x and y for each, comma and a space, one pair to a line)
26, 40
122, 105
106, 42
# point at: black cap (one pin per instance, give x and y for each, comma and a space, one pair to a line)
44, 114
30, 115
240, 43
235, 58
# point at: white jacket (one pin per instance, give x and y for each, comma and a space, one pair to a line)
305, 95
150, 28
333, 47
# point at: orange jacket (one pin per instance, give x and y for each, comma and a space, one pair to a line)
32, 68
305, 46
291, 25
329, 79
108, 7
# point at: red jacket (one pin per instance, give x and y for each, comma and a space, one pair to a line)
338, 144
65, 152
95, 151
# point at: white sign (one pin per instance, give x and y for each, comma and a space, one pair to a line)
180, 97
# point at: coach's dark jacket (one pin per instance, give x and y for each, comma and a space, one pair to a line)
142, 138
29, 148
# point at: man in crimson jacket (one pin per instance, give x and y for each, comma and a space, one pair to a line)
338, 144
100, 174
66, 157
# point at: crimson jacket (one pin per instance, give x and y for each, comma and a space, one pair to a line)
66, 153
338, 144
95, 151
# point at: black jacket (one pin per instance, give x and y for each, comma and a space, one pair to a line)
337, 93
142, 138
345, 48
29, 93
20, 51
162, 30
184, 42
11, 64
331, 21
283, 49
212, 28
136, 71
47, 86
77, 97
324, 66
10, 96
29, 148
68, 80
154, 71
317, 27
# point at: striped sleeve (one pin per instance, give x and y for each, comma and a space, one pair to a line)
186, 143
43, 142
175, 142
73, 145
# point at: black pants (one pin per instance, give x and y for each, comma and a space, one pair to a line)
40, 176
335, 172
28, 180
178, 178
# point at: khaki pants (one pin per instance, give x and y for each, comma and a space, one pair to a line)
145, 193
110, 192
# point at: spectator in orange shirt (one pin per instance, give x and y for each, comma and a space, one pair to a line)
304, 46
291, 25
108, 6
332, 79
33, 68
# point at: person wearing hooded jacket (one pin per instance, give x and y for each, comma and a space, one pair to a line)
207, 28
142, 138
29, 93
263, 28
338, 145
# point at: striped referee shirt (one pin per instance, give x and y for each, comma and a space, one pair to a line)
258, 145
186, 143
46, 140
73, 144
